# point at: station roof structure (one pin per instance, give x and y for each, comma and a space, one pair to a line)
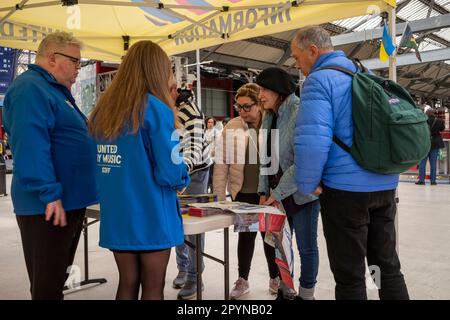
241, 35
360, 38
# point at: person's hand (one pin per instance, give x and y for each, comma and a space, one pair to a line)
318, 191
262, 199
181, 191
272, 202
55, 209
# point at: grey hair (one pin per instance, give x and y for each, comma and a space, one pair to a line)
57, 40
313, 35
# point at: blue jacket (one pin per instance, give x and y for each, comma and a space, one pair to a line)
326, 109
138, 176
285, 124
53, 154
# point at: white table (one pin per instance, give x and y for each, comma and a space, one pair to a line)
192, 226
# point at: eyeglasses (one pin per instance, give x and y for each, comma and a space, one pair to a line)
76, 61
247, 107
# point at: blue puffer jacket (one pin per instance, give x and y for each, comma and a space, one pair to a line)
326, 109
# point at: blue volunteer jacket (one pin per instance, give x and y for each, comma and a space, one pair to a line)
326, 109
53, 154
138, 176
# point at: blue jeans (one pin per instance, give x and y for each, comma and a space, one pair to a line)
304, 224
432, 155
186, 255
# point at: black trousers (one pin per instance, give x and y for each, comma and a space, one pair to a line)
49, 250
360, 225
246, 244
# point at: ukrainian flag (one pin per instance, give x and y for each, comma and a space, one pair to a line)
387, 47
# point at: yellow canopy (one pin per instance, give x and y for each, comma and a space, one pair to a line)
108, 27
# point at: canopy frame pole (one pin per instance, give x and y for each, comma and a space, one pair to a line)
199, 81
147, 4
18, 6
393, 57
392, 15
34, 5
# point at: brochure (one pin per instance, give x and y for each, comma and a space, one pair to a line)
238, 207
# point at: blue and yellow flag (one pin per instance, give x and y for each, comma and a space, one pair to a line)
387, 47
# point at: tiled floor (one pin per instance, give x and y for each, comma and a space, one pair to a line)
424, 234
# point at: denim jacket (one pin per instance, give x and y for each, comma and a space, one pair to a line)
287, 114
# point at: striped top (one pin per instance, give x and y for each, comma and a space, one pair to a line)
194, 148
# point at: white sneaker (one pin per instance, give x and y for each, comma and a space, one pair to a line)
240, 288
274, 284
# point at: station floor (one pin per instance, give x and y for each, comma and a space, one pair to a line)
424, 246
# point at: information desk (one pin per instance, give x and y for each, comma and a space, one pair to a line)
192, 226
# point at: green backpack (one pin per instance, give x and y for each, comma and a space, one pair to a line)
390, 133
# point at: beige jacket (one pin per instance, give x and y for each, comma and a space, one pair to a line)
229, 167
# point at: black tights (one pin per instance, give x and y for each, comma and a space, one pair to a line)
246, 247
246, 244
146, 269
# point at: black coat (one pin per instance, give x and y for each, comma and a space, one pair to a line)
435, 129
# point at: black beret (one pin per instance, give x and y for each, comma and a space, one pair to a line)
276, 79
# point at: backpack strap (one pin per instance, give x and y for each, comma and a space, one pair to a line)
337, 68
336, 140
341, 144
359, 66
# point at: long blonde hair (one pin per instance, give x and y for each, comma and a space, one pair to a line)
146, 68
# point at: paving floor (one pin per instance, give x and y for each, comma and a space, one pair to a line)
424, 246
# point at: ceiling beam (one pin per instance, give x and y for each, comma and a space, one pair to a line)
434, 23
435, 6
286, 55
402, 5
410, 59
243, 63
269, 41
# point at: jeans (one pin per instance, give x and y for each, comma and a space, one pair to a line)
304, 224
360, 225
432, 155
186, 255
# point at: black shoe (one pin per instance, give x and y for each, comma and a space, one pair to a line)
420, 183
285, 293
433, 183
189, 290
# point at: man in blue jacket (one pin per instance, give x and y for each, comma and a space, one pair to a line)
357, 206
54, 163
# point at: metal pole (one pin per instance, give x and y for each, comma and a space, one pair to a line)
393, 77
198, 263
86, 249
226, 263
392, 59
199, 85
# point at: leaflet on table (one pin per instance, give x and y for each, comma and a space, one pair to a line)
238, 207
